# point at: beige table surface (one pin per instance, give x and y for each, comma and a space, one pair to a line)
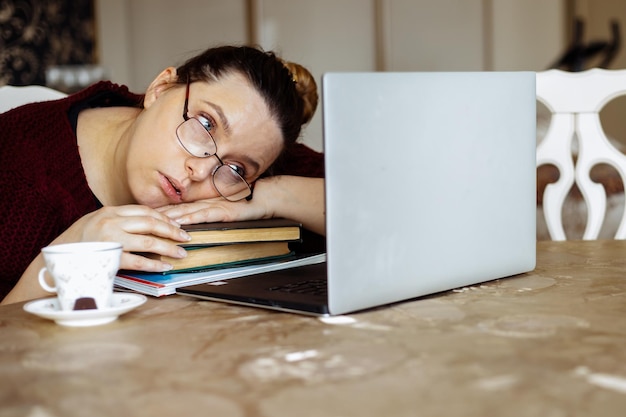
549, 343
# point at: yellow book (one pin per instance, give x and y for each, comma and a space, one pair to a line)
214, 256
243, 231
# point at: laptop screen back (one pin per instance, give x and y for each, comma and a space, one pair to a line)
430, 182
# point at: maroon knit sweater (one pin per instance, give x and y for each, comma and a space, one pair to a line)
43, 187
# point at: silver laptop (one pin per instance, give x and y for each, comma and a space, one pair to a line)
430, 186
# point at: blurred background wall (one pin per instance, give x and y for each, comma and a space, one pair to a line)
130, 41
137, 38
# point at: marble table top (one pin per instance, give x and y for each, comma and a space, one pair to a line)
547, 343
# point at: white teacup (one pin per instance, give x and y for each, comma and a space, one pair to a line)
83, 273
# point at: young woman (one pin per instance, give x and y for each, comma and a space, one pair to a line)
211, 140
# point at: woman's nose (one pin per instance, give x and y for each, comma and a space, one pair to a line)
200, 169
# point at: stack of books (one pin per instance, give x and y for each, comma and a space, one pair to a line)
222, 250
222, 244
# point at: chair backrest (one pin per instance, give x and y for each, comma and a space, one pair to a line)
12, 96
575, 100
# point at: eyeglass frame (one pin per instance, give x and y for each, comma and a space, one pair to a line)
186, 118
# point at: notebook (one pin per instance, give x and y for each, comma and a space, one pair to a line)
430, 186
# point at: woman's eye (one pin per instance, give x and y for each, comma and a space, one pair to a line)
206, 123
238, 169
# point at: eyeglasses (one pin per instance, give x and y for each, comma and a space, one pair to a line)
196, 139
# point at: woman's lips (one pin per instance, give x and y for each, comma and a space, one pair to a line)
172, 188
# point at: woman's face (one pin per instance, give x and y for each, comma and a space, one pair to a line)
162, 172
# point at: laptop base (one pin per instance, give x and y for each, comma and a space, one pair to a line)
275, 290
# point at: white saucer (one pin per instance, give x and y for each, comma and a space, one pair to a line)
121, 303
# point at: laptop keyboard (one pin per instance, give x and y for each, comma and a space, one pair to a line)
310, 286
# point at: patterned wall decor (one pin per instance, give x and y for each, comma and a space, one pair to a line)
35, 34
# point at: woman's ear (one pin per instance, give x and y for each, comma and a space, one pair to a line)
166, 79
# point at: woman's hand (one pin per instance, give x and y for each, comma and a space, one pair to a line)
216, 210
297, 198
137, 228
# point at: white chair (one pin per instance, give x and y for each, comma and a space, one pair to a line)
12, 96
575, 100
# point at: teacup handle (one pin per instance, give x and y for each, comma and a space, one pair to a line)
43, 283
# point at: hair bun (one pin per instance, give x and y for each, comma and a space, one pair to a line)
306, 88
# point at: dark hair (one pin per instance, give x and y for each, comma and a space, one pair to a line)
266, 72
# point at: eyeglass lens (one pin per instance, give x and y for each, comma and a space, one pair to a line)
196, 140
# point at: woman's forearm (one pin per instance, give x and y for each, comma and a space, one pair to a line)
296, 198
27, 287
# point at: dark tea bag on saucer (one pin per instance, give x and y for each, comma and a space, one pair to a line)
85, 303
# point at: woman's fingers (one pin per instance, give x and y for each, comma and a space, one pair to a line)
196, 212
110, 221
147, 214
138, 262
138, 229
150, 226
201, 213
207, 211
